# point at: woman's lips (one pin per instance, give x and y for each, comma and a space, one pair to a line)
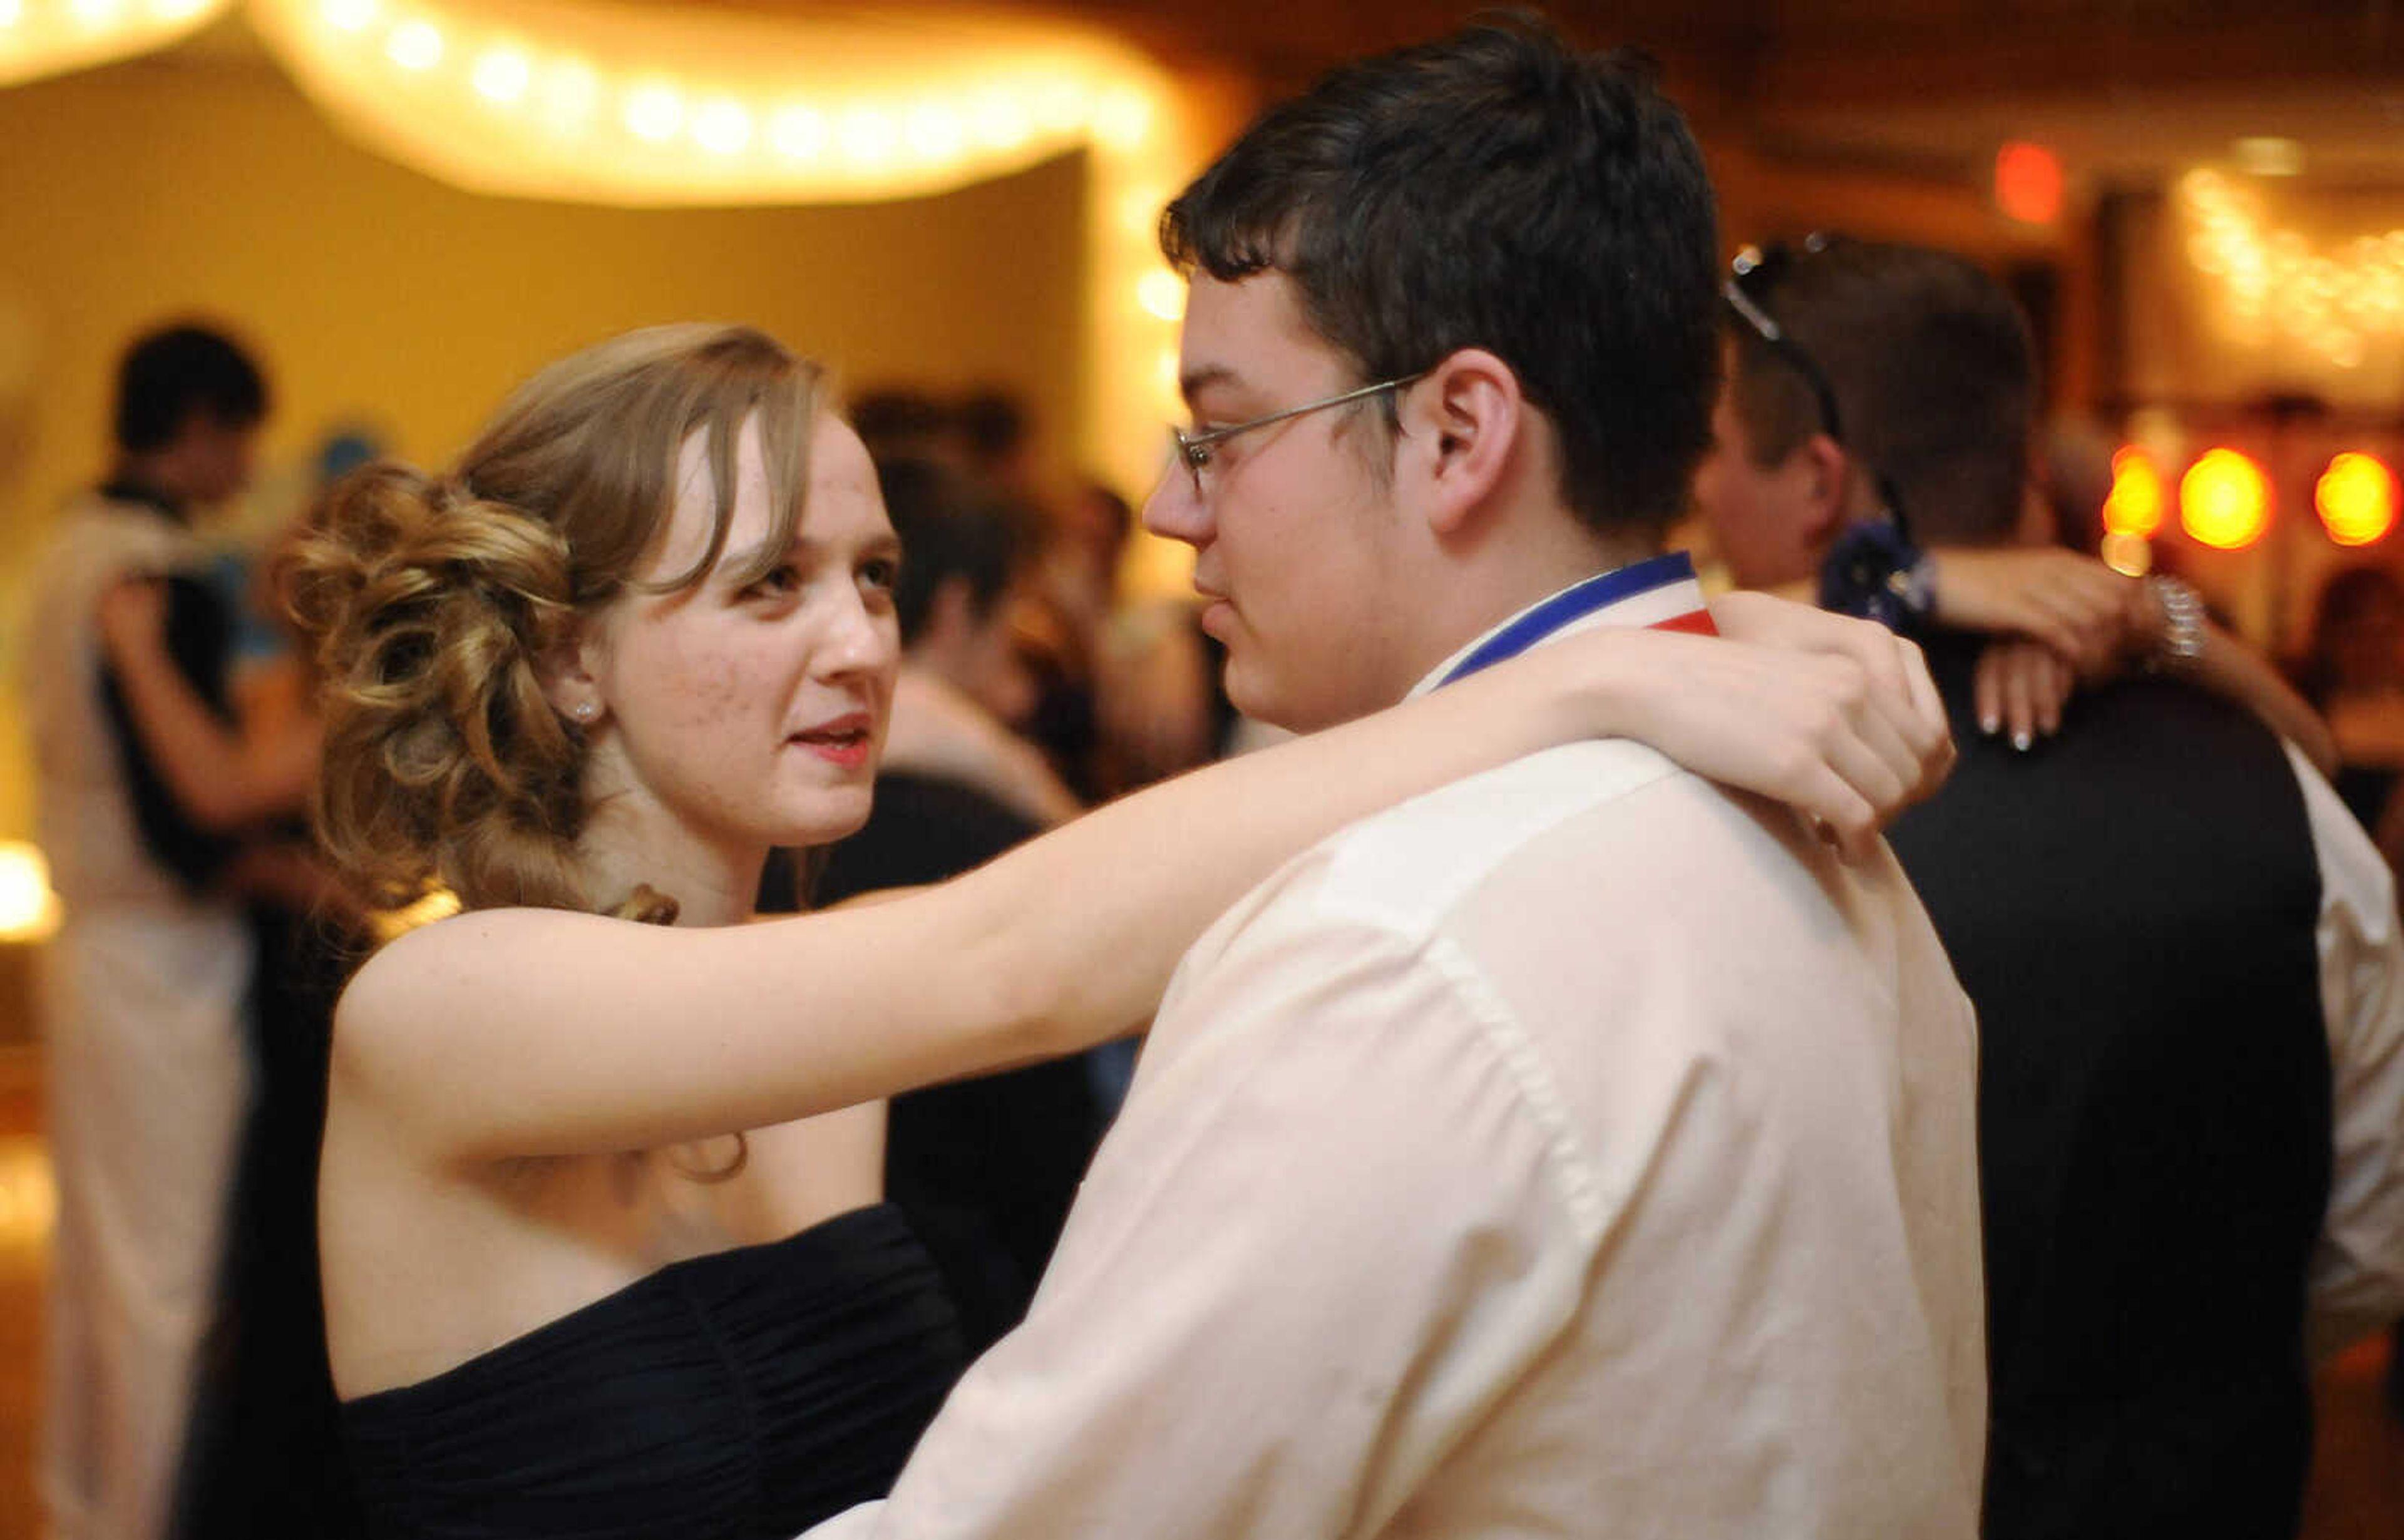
845, 742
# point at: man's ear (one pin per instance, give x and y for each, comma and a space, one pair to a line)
1826, 491
1463, 423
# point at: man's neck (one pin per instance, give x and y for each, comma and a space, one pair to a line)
134, 478
1489, 597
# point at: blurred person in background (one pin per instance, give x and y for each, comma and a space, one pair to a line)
2353, 672
2184, 952
143, 990
964, 691
601, 1238
262, 1457
984, 1168
901, 422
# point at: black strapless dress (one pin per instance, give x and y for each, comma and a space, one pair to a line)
747, 1393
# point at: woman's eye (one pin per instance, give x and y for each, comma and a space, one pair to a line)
881, 574
776, 583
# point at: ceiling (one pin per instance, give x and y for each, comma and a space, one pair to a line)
2124, 90
2127, 93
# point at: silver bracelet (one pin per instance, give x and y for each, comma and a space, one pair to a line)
2182, 623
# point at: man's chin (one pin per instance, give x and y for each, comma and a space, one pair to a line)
1263, 701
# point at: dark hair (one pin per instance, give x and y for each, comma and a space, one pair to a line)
167, 376
992, 425
1494, 189
1933, 372
948, 531
898, 420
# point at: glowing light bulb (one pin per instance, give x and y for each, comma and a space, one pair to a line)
654, 112
798, 132
28, 910
1162, 293
2131, 556
2224, 500
2135, 504
1001, 121
934, 131
178, 10
1122, 119
1060, 106
11, 12
95, 13
414, 46
722, 127
570, 90
502, 74
348, 15
867, 137
2355, 498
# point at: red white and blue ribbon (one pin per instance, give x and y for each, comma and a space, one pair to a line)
1659, 594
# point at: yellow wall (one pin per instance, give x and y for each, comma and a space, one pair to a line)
174, 184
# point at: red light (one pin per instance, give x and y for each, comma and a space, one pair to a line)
2028, 183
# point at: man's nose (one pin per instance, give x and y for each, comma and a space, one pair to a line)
1174, 510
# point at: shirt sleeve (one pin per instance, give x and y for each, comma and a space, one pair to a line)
2357, 1273
1326, 1237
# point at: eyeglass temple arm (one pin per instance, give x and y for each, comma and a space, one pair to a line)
1192, 441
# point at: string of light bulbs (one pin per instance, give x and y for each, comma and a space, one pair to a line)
2278, 288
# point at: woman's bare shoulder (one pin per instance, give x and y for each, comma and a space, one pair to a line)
460, 966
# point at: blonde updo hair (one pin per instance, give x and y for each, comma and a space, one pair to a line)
431, 601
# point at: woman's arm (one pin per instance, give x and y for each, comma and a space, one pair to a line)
220, 777
2074, 603
2022, 686
531, 1032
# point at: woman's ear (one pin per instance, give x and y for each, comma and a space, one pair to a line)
1464, 420
570, 673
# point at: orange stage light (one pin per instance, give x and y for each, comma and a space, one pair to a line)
2135, 505
2357, 500
2028, 183
2224, 500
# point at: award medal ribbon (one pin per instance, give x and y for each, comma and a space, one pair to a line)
1657, 594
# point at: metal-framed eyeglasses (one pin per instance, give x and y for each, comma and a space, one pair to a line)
1193, 449
1759, 264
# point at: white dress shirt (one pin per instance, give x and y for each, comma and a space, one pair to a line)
1579, 1150
2357, 1272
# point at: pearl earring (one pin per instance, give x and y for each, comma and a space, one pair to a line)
585, 710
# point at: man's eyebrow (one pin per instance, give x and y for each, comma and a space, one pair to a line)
1194, 382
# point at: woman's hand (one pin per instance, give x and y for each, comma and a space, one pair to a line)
2081, 609
2022, 686
1836, 717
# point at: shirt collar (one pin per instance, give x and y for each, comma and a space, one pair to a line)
1659, 591
125, 489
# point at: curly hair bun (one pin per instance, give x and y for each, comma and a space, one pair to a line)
429, 609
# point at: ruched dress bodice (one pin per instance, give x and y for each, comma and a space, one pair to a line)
746, 1394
